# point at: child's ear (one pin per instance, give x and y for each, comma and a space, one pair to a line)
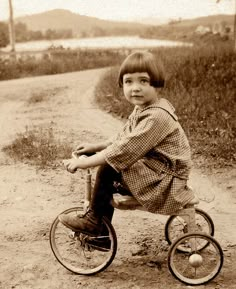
157, 89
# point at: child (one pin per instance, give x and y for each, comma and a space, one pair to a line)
150, 156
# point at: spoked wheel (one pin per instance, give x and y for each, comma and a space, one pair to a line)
195, 267
80, 253
176, 227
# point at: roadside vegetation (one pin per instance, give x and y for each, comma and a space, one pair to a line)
57, 60
38, 146
44, 95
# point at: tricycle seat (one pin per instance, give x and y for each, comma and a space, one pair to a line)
127, 202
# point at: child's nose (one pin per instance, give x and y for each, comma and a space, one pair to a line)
136, 87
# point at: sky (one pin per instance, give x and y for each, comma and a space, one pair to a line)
122, 9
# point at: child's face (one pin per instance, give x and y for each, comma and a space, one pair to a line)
137, 89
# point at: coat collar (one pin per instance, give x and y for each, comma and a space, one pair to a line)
163, 104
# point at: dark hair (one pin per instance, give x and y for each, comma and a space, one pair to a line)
143, 61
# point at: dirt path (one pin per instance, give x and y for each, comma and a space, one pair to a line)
30, 198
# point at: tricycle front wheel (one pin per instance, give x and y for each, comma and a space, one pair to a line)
80, 253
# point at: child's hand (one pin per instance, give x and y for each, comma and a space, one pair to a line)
70, 165
85, 148
73, 164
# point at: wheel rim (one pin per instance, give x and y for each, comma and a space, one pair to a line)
195, 274
74, 252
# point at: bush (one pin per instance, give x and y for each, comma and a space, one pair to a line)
44, 95
38, 147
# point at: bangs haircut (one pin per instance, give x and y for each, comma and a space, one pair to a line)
143, 62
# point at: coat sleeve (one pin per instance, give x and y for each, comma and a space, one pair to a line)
150, 130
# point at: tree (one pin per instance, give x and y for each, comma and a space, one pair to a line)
21, 32
4, 37
50, 34
218, 1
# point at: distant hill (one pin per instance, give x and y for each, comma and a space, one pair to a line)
207, 20
150, 20
60, 19
85, 26
213, 28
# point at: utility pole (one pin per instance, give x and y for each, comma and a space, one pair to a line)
11, 28
234, 25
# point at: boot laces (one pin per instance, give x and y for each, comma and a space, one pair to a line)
91, 216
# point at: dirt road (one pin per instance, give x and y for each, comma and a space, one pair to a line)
31, 198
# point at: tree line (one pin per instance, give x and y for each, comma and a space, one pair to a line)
23, 34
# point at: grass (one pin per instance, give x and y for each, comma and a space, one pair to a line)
38, 146
44, 95
37, 97
201, 85
57, 61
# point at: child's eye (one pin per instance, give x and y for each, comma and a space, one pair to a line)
145, 80
127, 81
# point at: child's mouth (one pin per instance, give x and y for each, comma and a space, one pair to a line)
136, 96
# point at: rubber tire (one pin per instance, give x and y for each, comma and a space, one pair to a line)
79, 270
203, 280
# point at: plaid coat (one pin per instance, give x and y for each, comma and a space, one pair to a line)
153, 155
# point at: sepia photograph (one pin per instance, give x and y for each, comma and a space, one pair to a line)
118, 144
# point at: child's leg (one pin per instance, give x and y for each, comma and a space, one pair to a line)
103, 191
100, 205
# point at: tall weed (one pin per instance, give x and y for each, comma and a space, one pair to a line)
39, 147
